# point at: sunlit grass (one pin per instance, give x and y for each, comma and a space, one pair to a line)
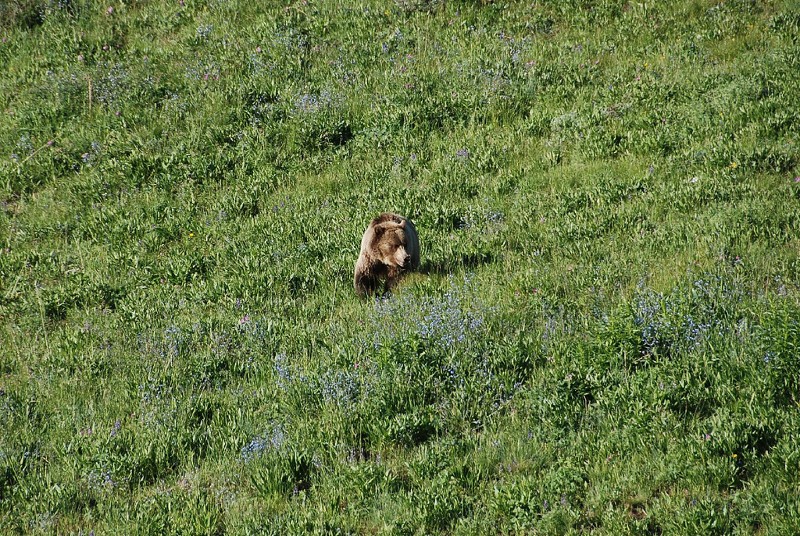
602, 337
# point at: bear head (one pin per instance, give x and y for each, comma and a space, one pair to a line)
390, 244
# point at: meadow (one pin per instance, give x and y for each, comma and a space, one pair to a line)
604, 336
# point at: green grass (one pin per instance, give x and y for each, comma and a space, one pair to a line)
604, 336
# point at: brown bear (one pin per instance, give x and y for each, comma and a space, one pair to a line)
390, 246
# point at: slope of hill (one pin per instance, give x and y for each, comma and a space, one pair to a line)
604, 336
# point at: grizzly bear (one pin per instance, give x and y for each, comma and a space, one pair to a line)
390, 246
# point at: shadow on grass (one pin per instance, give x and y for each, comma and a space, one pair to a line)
448, 266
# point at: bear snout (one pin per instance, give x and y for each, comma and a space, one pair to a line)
402, 258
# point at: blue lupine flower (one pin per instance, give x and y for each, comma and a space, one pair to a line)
282, 370
443, 321
205, 30
272, 439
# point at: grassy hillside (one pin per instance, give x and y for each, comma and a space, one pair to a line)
604, 336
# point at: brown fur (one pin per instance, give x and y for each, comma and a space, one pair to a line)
389, 247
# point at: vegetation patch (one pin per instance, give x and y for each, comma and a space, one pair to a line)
603, 335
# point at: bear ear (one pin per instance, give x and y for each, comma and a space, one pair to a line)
377, 235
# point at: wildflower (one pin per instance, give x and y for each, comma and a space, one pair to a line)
495, 216
734, 165
110, 10
204, 31
463, 154
340, 388
443, 321
272, 440
797, 179
282, 370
